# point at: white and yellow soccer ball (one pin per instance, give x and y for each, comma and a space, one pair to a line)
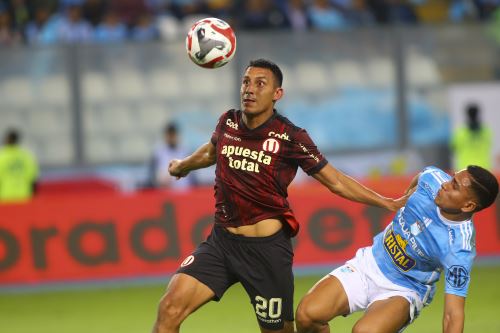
211, 43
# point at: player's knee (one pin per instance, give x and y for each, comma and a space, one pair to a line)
170, 312
304, 317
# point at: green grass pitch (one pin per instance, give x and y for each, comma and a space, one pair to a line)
133, 309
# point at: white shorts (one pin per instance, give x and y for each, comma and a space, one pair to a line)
364, 284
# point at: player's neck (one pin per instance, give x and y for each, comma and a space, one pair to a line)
255, 120
455, 217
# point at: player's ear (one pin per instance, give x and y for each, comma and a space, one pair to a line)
470, 206
278, 93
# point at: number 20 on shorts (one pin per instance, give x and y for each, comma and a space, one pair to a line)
268, 309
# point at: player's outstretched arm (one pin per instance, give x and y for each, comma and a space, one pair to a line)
346, 187
203, 157
454, 314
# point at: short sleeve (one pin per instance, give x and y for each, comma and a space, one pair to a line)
216, 132
306, 153
457, 268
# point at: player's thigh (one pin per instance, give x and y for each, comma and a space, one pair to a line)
265, 271
185, 294
326, 300
207, 264
384, 316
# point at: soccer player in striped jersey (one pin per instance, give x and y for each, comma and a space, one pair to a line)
395, 277
257, 153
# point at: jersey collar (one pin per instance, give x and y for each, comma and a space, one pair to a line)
450, 222
264, 124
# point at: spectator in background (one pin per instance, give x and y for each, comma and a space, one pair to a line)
296, 15
260, 14
169, 149
325, 17
94, 11
72, 28
359, 14
222, 9
461, 10
43, 29
186, 8
402, 11
472, 143
128, 10
18, 170
111, 29
392, 11
144, 29
21, 12
8, 35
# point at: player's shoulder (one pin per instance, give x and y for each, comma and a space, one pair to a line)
462, 237
431, 178
231, 113
230, 118
288, 124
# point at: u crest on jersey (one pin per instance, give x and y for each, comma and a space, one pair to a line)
271, 145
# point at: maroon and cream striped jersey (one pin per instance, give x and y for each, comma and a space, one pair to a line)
255, 166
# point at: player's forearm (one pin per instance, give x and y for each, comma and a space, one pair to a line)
453, 323
350, 189
203, 157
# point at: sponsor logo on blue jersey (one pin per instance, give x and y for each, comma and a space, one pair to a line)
395, 246
457, 276
419, 226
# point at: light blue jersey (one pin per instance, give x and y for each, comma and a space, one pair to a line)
420, 243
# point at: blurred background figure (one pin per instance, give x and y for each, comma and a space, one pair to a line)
18, 170
166, 151
42, 30
72, 27
111, 29
296, 15
326, 17
472, 143
144, 29
8, 35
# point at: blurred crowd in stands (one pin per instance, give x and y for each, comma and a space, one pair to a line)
106, 21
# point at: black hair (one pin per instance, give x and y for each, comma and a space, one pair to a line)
170, 128
12, 137
268, 64
484, 186
473, 120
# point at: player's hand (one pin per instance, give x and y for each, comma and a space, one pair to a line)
396, 204
175, 169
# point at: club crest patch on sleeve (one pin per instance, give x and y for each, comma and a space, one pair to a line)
457, 276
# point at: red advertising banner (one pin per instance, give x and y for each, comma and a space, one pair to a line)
110, 235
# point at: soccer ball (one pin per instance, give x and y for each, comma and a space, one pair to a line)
211, 43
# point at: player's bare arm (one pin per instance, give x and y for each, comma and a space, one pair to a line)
203, 157
348, 188
454, 314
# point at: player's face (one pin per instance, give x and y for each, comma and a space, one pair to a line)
456, 196
259, 91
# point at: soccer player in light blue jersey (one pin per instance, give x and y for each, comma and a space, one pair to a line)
393, 279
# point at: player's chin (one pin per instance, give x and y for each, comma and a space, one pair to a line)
249, 109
